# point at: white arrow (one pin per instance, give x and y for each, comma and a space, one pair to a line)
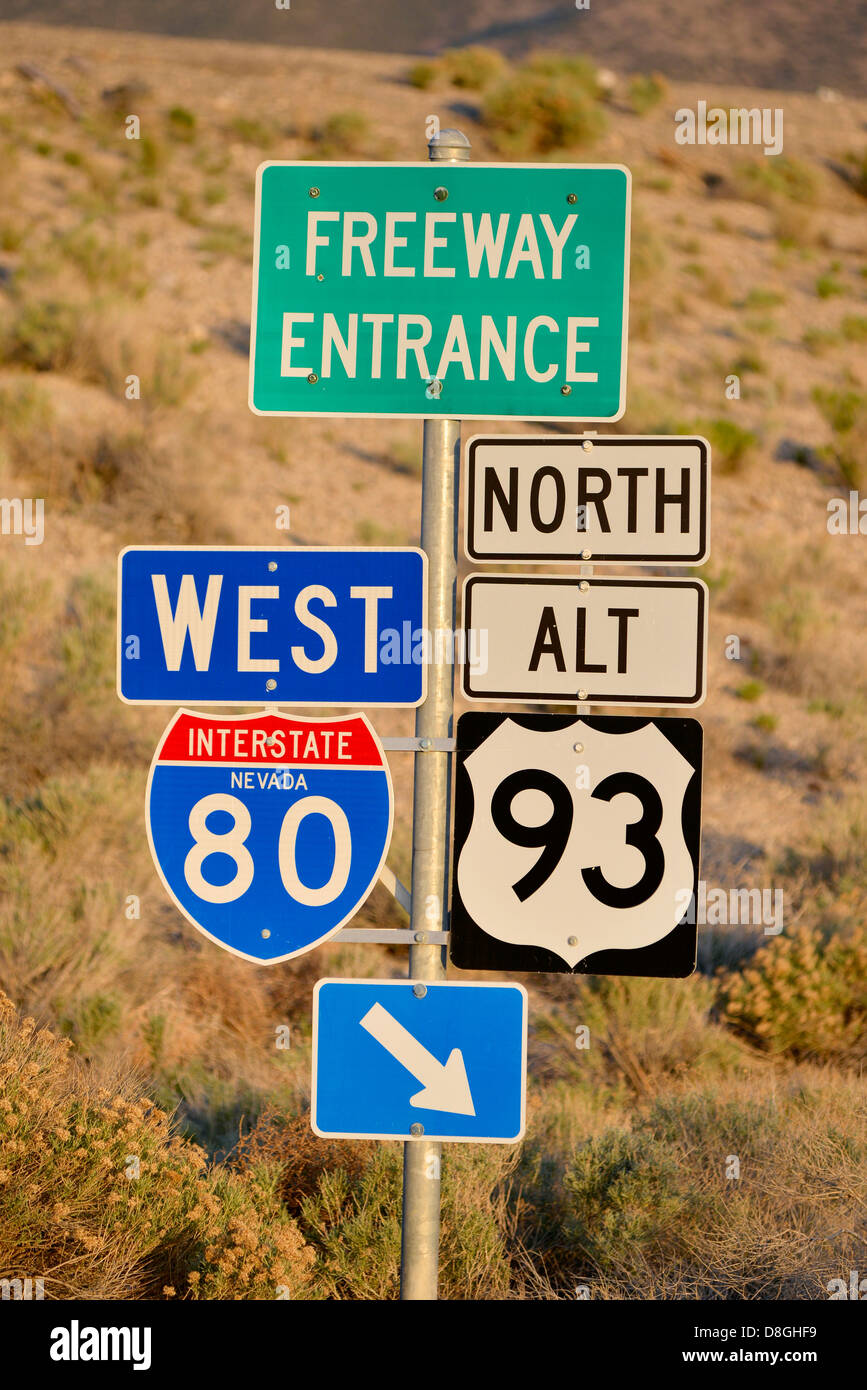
444, 1087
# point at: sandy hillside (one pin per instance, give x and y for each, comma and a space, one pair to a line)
720, 282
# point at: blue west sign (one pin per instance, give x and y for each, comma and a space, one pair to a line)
247, 626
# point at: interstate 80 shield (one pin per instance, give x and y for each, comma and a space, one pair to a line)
576, 844
269, 831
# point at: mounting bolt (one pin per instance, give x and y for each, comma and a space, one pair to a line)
313, 192
419, 991
571, 941
416, 1130
582, 695
265, 934
579, 747
313, 378
271, 740
425, 744
434, 389
584, 586
571, 197
320, 276
586, 554
441, 194
587, 445
271, 684
421, 938
565, 390
272, 565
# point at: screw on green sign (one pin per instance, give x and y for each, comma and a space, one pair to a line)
484, 291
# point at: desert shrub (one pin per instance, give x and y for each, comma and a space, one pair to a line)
423, 74
580, 71
648, 309
26, 415
730, 444
647, 90
100, 260
346, 1198
641, 1032
792, 224
181, 124
226, 239
151, 157
252, 131
342, 133
101, 1199
846, 413
42, 334
827, 286
87, 639
22, 600
473, 68
658, 1211
750, 690
546, 105
769, 181
857, 165
804, 996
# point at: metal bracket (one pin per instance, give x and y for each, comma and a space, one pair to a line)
398, 890
413, 744
392, 936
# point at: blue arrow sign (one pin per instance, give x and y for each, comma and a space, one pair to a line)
247, 626
448, 1064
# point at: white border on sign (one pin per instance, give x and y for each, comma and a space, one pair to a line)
429, 984
563, 441
301, 719
278, 550
612, 580
426, 414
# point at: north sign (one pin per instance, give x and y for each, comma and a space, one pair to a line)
246, 626
546, 639
268, 831
603, 500
484, 290
576, 844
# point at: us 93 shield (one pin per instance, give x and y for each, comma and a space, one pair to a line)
576, 844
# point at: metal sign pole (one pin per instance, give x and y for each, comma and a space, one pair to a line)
431, 800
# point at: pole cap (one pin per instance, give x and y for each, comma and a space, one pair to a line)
450, 146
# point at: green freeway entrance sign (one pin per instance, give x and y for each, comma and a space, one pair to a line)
487, 291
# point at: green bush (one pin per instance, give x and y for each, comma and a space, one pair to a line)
579, 71
181, 124
750, 690
846, 413
730, 444
343, 133
423, 74
346, 1198
768, 181
712, 1197
473, 68
804, 996
43, 334
647, 91
549, 105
